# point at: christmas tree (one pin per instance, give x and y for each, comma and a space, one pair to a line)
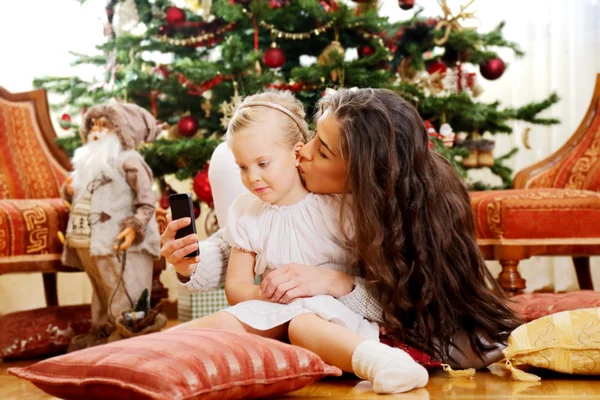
212, 54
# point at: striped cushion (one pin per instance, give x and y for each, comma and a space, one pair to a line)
183, 363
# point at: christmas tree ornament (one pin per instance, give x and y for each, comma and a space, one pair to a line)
196, 207
492, 69
274, 57
447, 135
406, 4
449, 22
485, 156
164, 202
438, 67
161, 71
432, 133
365, 51
175, 16
202, 187
525, 138
126, 17
207, 104
65, 121
227, 108
324, 58
187, 126
473, 146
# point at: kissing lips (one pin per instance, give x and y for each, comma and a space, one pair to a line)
261, 190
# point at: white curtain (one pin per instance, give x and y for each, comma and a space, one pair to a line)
562, 45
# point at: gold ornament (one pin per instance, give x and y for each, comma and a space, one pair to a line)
200, 7
525, 138
206, 107
324, 59
228, 108
449, 22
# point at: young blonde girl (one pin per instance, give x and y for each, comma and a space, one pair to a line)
280, 222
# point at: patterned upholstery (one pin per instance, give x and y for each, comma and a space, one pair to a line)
536, 216
580, 167
28, 234
27, 169
32, 170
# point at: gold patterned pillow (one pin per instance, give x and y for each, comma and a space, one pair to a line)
567, 342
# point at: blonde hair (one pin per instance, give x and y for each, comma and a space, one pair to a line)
254, 108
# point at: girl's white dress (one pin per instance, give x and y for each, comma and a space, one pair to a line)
308, 232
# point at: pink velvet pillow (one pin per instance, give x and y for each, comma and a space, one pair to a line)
183, 363
43, 331
532, 306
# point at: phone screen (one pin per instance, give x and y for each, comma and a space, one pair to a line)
181, 207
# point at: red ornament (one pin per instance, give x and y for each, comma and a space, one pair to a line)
278, 3
196, 207
188, 126
492, 69
164, 202
274, 58
365, 51
65, 121
175, 16
161, 71
406, 4
437, 66
202, 187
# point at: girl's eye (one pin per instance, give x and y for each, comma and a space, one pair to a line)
322, 154
263, 164
243, 168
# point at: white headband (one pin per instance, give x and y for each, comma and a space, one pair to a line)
280, 108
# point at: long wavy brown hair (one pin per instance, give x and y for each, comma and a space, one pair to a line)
414, 228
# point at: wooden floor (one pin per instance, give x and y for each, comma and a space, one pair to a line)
493, 384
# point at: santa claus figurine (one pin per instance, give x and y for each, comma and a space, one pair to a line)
112, 233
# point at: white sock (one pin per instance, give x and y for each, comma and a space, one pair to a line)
389, 370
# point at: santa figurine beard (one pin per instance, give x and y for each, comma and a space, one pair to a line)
95, 158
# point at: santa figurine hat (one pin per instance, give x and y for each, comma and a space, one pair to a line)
130, 122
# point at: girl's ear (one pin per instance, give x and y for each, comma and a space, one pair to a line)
297, 148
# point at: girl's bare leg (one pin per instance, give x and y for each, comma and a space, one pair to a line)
390, 370
228, 322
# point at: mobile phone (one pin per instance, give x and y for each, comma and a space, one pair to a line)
182, 207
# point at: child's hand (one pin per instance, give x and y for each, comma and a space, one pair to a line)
175, 250
293, 281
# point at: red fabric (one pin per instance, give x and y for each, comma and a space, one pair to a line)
42, 332
536, 214
580, 168
417, 355
26, 168
30, 228
184, 363
532, 306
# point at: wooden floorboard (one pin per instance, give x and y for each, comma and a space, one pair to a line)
493, 384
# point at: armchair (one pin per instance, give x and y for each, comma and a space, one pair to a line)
554, 209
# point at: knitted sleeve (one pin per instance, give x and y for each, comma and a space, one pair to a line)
211, 270
361, 302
